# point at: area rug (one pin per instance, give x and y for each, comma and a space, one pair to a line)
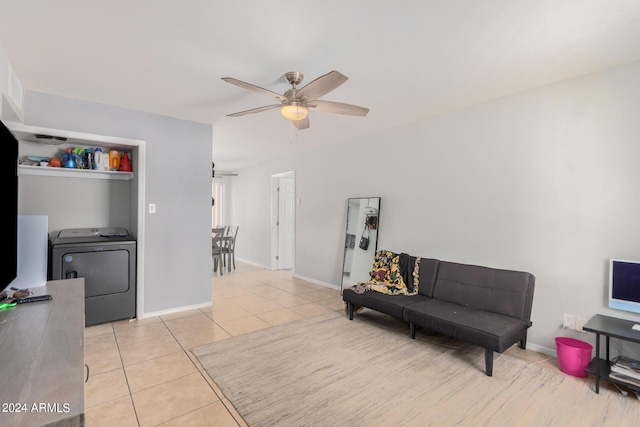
329, 371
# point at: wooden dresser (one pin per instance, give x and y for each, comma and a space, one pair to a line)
42, 370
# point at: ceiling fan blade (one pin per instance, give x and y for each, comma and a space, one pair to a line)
255, 110
301, 124
338, 108
253, 88
321, 86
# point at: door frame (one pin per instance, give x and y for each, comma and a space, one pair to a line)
275, 181
220, 201
138, 194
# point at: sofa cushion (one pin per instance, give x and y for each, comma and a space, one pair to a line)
427, 272
488, 289
388, 304
496, 332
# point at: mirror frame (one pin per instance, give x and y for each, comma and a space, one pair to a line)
357, 222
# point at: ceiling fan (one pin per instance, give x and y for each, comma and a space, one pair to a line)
295, 103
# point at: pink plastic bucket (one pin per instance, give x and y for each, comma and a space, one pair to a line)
573, 356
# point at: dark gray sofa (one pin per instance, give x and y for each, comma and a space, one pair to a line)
484, 306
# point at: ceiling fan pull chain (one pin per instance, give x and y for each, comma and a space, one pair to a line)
291, 137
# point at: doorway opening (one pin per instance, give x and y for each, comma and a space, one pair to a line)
218, 198
283, 224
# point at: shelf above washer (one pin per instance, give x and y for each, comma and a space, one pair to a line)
74, 173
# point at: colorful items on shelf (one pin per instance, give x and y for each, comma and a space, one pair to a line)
90, 158
125, 163
68, 159
101, 160
114, 160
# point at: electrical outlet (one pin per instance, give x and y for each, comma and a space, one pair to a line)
580, 321
568, 321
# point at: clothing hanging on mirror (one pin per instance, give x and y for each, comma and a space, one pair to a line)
371, 216
364, 240
371, 222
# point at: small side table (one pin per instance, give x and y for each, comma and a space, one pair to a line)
609, 327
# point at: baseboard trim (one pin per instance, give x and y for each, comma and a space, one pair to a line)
297, 276
175, 310
541, 349
317, 282
255, 264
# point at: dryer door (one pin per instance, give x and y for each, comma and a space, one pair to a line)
105, 272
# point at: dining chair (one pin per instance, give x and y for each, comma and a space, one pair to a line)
226, 229
217, 246
229, 248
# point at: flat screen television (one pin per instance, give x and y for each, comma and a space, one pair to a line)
624, 285
9, 237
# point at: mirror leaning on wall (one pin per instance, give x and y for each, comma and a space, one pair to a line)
361, 239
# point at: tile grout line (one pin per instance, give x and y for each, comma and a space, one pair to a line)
217, 324
201, 374
247, 282
126, 377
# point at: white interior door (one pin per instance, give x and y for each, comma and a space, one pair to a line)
217, 197
286, 222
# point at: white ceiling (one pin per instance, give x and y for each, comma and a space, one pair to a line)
406, 60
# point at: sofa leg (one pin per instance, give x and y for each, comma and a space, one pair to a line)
488, 361
412, 330
350, 310
523, 342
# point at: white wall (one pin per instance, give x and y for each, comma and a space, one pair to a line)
544, 181
4, 83
9, 111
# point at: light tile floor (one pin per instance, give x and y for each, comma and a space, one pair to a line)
143, 374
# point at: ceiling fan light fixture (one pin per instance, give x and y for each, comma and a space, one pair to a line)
294, 111
295, 103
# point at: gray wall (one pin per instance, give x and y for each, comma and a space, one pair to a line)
544, 181
178, 180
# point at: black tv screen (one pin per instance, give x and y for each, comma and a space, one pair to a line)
9, 239
624, 285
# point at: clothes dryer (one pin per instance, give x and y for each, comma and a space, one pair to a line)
106, 259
